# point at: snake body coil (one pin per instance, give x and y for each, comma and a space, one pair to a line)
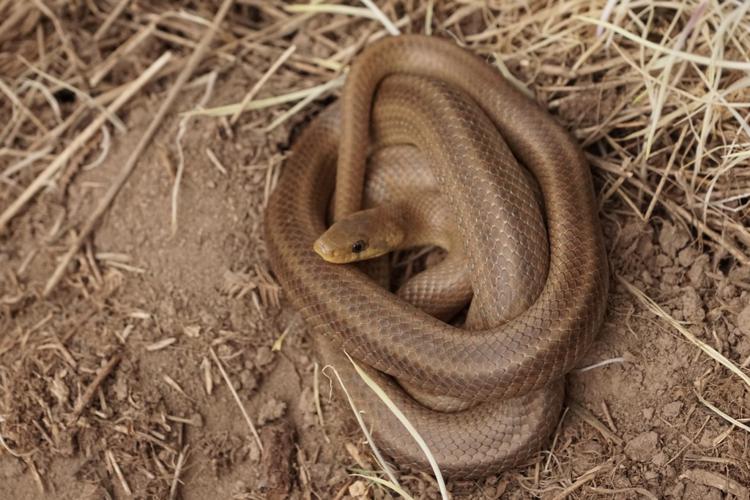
509, 367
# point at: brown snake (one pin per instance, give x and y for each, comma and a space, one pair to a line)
509, 373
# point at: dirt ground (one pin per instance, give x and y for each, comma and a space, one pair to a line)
111, 386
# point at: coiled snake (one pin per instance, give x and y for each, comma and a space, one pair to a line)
538, 269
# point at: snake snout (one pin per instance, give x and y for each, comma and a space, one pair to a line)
323, 249
330, 251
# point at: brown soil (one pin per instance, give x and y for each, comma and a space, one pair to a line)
157, 304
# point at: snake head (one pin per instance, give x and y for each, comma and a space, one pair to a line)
360, 236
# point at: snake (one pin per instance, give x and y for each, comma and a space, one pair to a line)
538, 270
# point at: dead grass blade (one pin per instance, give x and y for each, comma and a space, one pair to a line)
405, 422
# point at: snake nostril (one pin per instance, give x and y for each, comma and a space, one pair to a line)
321, 248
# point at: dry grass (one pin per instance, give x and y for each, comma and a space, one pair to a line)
413, 432
658, 93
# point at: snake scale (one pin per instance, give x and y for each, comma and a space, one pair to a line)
507, 366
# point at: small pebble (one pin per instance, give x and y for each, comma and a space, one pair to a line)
671, 410
743, 320
643, 448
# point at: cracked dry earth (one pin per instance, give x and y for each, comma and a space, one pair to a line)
163, 302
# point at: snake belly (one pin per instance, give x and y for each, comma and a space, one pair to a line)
510, 371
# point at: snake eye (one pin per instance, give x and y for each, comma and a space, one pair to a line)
359, 246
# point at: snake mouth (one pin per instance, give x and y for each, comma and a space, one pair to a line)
330, 253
